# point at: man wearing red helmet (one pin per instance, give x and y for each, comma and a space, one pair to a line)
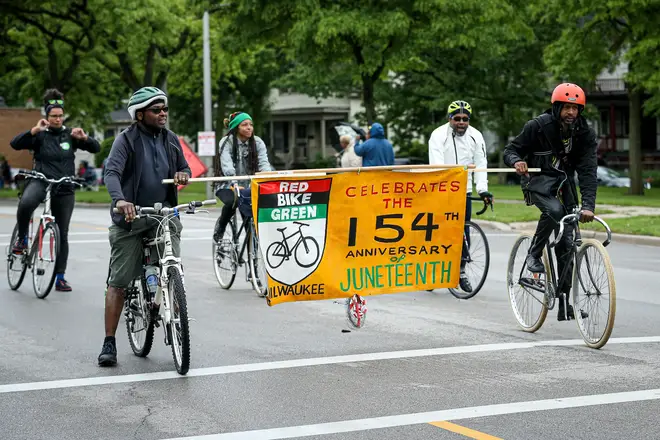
560, 143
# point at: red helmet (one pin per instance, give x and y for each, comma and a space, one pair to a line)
569, 93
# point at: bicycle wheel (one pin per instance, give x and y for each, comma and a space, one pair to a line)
307, 253
275, 254
178, 327
527, 291
16, 264
259, 276
44, 257
594, 293
139, 321
478, 262
225, 260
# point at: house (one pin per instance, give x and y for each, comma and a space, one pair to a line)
609, 95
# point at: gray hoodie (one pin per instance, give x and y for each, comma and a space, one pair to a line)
242, 168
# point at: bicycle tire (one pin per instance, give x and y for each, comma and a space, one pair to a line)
512, 279
262, 290
139, 291
268, 254
316, 246
13, 259
41, 294
178, 298
225, 283
578, 283
459, 293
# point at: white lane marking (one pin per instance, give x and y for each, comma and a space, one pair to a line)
432, 416
185, 238
297, 363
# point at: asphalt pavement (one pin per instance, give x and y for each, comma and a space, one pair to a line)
425, 366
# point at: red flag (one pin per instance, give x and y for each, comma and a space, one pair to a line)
194, 162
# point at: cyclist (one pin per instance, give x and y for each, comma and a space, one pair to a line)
54, 147
457, 142
560, 143
140, 158
241, 153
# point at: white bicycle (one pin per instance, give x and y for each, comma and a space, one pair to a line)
168, 306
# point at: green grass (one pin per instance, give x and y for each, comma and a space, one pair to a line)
605, 195
640, 225
511, 212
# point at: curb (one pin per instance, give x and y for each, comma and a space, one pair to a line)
644, 240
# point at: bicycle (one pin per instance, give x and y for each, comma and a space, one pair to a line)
226, 255
281, 249
542, 287
473, 258
35, 257
145, 310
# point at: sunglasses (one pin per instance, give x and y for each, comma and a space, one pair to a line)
156, 111
56, 101
459, 119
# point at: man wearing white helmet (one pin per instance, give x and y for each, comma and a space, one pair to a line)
141, 157
457, 142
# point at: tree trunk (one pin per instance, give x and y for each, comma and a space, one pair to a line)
368, 98
635, 142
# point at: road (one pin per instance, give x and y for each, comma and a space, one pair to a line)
425, 366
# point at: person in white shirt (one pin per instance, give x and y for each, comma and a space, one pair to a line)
456, 142
347, 157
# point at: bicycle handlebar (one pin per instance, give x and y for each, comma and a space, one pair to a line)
37, 175
160, 210
486, 204
574, 218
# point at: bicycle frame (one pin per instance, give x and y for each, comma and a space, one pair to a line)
289, 249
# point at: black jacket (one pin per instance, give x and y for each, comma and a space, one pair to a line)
124, 167
55, 152
540, 143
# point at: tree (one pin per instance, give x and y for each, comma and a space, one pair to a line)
325, 37
608, 33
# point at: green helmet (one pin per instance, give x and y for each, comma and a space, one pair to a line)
143, 97
459, 107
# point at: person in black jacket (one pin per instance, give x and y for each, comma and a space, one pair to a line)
140, 158
54, 147
560, 143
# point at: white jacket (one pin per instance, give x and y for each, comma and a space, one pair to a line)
349, 159
442, 152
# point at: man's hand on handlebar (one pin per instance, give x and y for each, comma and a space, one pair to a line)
586, 216
487, 197
521, 168
127, 209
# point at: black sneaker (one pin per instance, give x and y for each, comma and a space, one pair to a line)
108, 356
19, 246
464, 282
534, 264
62, 285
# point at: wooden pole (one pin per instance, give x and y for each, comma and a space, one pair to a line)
325, 171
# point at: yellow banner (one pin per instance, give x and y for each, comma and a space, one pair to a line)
368, 233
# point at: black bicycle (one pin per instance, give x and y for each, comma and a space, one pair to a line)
477, 260
228, 253
533, 294
306, 255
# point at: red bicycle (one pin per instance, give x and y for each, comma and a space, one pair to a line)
42, 247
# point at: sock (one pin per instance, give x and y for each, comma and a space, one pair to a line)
59, 277
109, 339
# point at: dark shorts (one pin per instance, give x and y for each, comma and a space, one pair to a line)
126, 252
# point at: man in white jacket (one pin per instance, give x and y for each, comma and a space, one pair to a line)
456, 142
347, 157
